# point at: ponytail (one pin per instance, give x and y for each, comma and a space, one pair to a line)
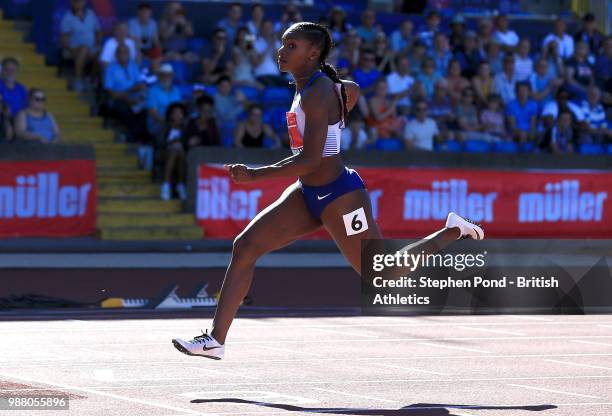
330, 71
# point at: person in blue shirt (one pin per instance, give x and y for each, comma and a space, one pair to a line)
522, 113
126, 91
366, 73
159, 97
367, 30
232, 22
14, 93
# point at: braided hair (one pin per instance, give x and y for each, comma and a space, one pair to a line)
320, 36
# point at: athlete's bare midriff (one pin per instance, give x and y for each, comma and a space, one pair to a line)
329, 169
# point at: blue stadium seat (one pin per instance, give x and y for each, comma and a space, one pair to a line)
391, 143
186, 91
476, 146
195, 45
449, 146
610, 148
506, 147
210, 90
251, 93
527, 147
181, 71
591, 149
276, 117
227, 134
276, 96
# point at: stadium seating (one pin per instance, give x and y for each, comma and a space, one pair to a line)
476, 146
506, 147
591, 149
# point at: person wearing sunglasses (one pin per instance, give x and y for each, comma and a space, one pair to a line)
35, 123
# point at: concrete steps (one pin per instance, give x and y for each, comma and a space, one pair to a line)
190, 232
137, 206
127, 190
144, 220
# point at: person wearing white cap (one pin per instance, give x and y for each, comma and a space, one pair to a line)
160, 96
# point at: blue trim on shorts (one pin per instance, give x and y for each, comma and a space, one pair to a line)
347, 181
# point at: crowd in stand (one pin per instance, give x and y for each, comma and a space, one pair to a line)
438, 86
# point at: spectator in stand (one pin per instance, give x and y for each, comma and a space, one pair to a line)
383, 53
457, 33
562, 102
175, 31
6, 123
109, 50
421, 132
417, 57
483, 83
348, 58
367, 30
266, 65
400, 84
470, 127
232, 22
338, 26
427, 78
603, 65
80, 39
455, 82
257, 18
494, 56
492, 118
228, 104
173, 141
522, 114
441, 53
354, 136
432, 26
565, 43
35, 124
579, 76
442, 111
505, 81
506, 37
159, 98
217, 60
485, 32
590, 35
244, 58
13, 92
203, 130
469, 55
366, 73
523, 64
402, 38
143, 29
291, 15
560, 138
127, 93
596, 125
543, 84
383, 113
252, 131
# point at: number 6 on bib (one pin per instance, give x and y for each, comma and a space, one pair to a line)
355, 221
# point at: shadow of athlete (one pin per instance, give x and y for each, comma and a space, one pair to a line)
416, 409
326, 193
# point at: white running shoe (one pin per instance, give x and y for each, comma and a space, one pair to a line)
467, 228
203, 345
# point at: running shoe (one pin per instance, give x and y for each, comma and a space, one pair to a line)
468, 228
203, 345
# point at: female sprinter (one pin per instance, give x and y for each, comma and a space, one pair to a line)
327, 193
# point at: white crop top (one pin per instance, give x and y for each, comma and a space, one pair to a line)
296, 119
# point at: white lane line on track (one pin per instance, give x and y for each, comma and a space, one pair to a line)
530, 318
91, 390
399, 367
299, 360
604, 326
357, 395
431, 344
333, 331
265, 347
591, 342
110, 354
223, 372
578, 364
494, 331
555, 391
301, 327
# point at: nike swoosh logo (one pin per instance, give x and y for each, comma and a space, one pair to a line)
209, 348
324, 196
